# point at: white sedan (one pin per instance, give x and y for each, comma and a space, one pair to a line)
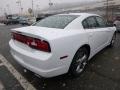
61, 43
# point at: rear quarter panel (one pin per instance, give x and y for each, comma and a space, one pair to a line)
68, 46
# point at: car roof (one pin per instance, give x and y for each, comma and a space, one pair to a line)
80, 14
75, 24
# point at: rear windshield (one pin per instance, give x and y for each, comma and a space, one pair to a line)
57, 21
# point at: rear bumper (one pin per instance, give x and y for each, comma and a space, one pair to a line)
39, 63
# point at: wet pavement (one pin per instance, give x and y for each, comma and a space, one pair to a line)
0, 61
8, 80
1, 86
102, 72
11, 78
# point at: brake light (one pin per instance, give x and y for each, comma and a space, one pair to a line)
32, 42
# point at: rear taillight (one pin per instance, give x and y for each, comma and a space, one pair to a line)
32, 42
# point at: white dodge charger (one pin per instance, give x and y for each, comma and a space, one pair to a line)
61, 43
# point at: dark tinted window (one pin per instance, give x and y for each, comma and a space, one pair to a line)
58, 21
85, 24
101, 22
92, 22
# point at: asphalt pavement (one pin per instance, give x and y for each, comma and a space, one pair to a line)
102, 72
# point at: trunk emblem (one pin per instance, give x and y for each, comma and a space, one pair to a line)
33, 43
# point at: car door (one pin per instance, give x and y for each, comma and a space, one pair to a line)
96, 34
102, 24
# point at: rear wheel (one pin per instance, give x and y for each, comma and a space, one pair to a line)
79, 61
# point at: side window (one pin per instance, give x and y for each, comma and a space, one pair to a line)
92, 22
101, 22
85, 24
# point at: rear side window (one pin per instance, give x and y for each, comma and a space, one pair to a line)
90, 23
57, 21
85, 24
101, 22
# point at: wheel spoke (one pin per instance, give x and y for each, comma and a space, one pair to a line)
81, 63
78, 68
82, 59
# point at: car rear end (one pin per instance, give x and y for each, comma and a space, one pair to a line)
39, 49
34, 51
34, 54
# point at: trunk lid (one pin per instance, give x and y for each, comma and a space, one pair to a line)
45, 33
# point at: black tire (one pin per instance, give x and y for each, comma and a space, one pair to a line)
79, 62
113, 40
